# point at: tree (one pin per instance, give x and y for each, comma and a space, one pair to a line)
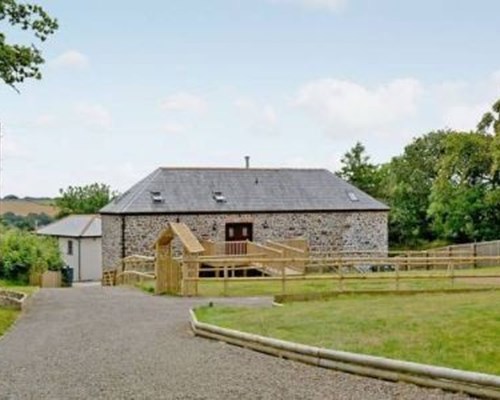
491, 120
359, 171
464, 198
408, 186
19, 62
87, 199
30, 222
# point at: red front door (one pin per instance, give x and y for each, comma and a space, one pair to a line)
238, 233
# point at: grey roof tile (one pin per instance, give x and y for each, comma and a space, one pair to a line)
191, 190
74, 226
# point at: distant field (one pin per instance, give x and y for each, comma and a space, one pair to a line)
25, 207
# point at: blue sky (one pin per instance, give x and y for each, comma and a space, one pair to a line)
130, 86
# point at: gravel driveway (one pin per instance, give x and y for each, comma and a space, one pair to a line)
118, 343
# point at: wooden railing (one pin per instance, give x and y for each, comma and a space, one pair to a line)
479, 249
390, 272
133, 277
224, 248
291, 252
297, 243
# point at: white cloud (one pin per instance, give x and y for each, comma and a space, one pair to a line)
72, 59
464, 117
94, 115
261, 118
174, 127
346, 106
462, 104
45, 121
331, 5
184, 102
12, 148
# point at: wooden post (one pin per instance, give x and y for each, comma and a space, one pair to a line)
196, 274
397, 277
225, 280
161, 269
452, 274
283, 278
474, 255
341, 279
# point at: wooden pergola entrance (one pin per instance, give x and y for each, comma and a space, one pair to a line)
170, 273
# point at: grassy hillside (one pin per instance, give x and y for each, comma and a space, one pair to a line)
24, 207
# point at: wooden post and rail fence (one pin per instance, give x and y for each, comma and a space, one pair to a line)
288, 261
389, 272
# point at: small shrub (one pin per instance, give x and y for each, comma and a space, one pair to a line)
22, 253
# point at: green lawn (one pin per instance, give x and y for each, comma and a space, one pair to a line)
7, 316
235, 288
454, 330
17, 286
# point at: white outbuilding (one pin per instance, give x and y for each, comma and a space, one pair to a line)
79, 239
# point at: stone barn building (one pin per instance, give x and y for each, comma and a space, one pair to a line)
228, 204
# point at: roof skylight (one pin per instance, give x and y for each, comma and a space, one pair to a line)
219, 197
156, 197
352, 196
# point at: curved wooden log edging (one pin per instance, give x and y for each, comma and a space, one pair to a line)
474, 383
12, 299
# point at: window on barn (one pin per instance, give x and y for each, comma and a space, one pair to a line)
70, 248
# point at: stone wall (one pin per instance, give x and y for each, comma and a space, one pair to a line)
325, 231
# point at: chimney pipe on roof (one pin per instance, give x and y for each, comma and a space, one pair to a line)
247, 162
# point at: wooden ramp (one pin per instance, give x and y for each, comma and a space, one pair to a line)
274, 258
275, 271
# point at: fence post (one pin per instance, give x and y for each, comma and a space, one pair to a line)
197, 276
452, 274
283, 278
341, 278
397, 277
474, 255
225, 280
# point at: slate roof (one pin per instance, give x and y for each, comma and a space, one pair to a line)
192, 190
74, 226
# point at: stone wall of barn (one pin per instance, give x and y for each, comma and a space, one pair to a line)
325, 231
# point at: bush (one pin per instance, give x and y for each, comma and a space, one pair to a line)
22, 253
29, 222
